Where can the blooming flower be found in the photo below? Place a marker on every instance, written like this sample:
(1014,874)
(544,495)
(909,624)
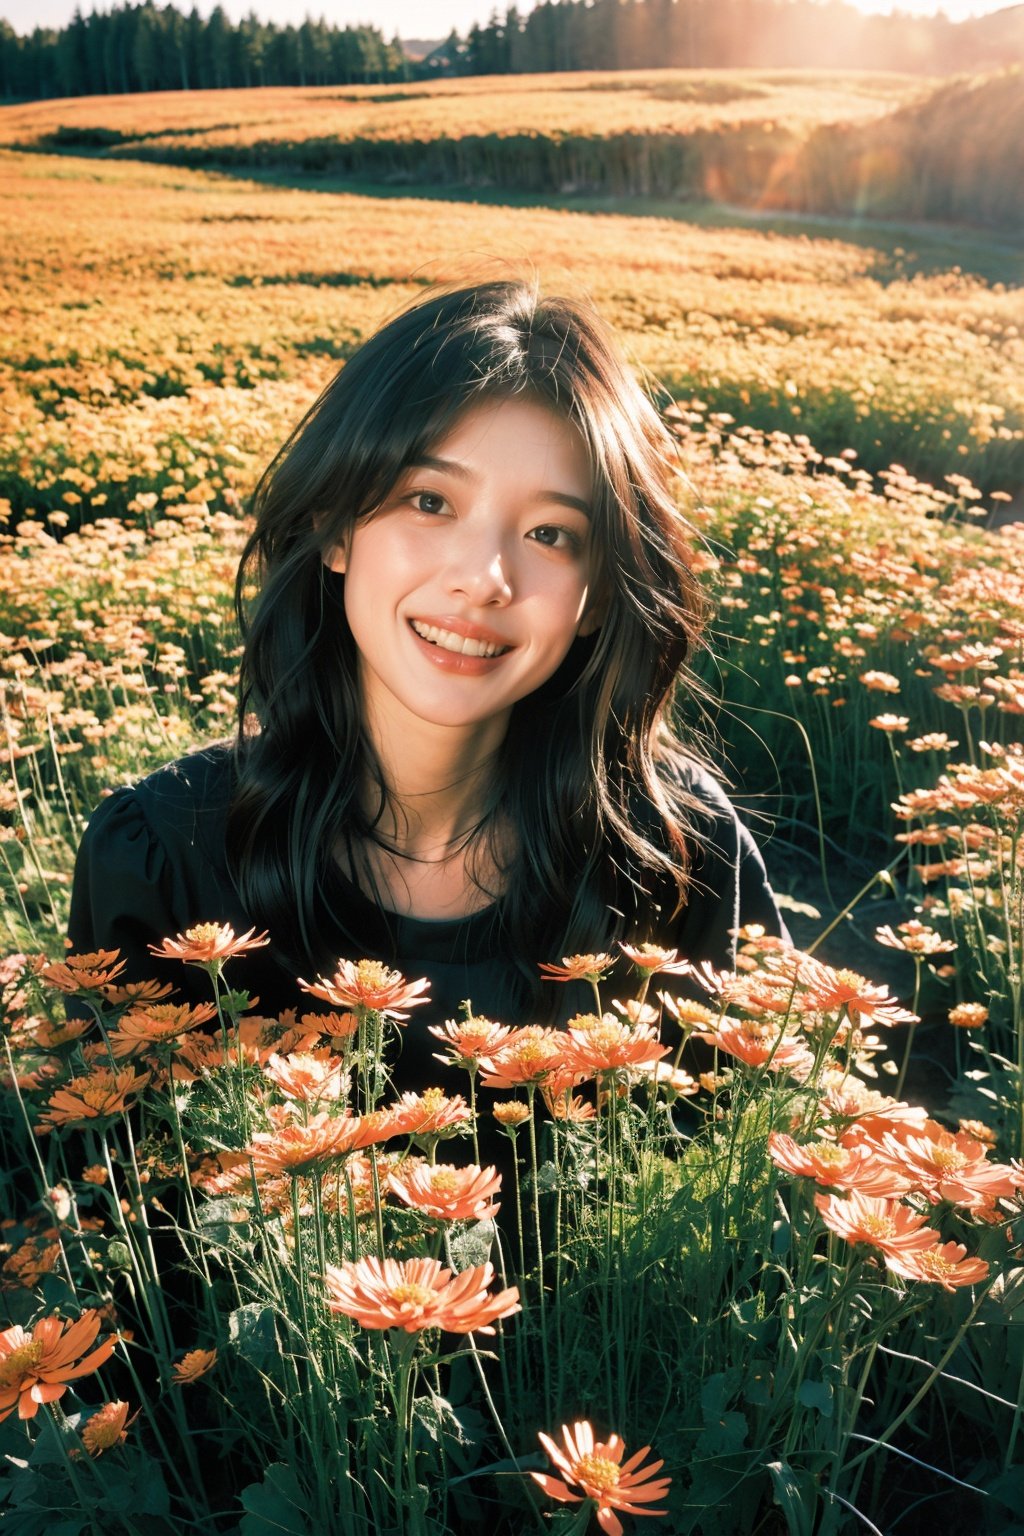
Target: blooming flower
(650,958)
(193,1365)
(431,1113)
(208,944)
(453,1194)
(883,1224)
(98,1095)
(105,1428)
(511,1113)
(86,972)
(590,968)
(842,1167)
(469,1039)
(528,1056)
(969,1015)
(308,1076)
(368,985)
(36,1367)
(295,1149)
(598,1470)
(418,1294)
(945,1264)
(161,1024)
(604,1044)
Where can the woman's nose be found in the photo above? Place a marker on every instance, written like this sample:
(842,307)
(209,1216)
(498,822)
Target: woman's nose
(480,572)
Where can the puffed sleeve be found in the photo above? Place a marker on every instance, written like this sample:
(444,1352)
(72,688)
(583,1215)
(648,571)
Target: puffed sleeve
(127,891)
(729,886)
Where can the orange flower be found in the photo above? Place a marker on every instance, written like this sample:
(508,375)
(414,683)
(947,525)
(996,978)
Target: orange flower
(759,1045)
(842,1167)
(469,1039)
(84,973)
(598,1470)
(568,1105)
(511,1113)
(914,937)
(453,1194)
(295,1149)
(883,1224)
(968,1015)
(890,723)
(945,1264)
(162,1024)
(208,944)
(95,1174)
(105,1428)
(337,1026)
(418,1294)
(606,1044)
(368,985)
(137,992)
(308,1076)
(948,1166)
(529,1055)
(100,1095)
(673,1079)
(829,990)
(650,958)
(590,968)
(193,1365)
(431,1113)
(36,1367)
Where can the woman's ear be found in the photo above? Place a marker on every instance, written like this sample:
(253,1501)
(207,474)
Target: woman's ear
(335,557)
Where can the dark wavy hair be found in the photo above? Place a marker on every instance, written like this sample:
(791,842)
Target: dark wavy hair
(587,776)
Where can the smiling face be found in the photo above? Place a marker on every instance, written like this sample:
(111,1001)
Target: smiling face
(465,589)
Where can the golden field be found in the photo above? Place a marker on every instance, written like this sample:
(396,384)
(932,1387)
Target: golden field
(586,103)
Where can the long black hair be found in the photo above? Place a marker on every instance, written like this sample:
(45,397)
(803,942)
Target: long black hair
(587,775)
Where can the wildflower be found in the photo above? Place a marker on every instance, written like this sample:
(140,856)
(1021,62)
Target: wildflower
(934,741)
(208,944)
(568,1105)
(193,1365)
(979,1131)
(453,1194)
(528,1056)
(418,1294)
(105,1428)
(890,723)
(84,973)
(308,1076)
(36,1367)
(880,682)
(95,1174)
(686,1013)
(883,1224)
(914,937)
(511,1113)
(968,1015)
(295,1149)
(136,992)
(469,1039)
(759,1045)
(605,1044)
(650,958)
(598,1470)
(370,986)
(945,1264)
(161,1024)
(99,1095)
(592,968)
(948,1166)
(336,1026)
(842,1167)
(829,990)
(431,1113)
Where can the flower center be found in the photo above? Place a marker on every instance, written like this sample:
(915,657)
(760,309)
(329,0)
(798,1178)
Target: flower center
(879,1226)
(22,1361)
(411,1295)
(948,1159)
(443,1181)
(203,933)
(597,1473)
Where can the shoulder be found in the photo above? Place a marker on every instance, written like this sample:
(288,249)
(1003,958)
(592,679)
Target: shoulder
(185,801)
(698,797)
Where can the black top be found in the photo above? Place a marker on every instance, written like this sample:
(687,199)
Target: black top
(152,863)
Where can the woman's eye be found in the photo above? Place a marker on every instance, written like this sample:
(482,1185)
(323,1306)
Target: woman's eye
(553,537)
(427,501)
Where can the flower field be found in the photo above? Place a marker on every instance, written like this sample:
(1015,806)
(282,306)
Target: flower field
(717,1251)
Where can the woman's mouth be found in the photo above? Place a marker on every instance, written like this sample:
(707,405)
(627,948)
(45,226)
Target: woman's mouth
(461,645)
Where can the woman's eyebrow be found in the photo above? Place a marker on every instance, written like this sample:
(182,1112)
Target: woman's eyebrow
(461,472)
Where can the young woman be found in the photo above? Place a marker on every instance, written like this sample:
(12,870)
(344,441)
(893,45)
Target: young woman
(455,752)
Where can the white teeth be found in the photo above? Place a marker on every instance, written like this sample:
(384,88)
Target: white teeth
(459,643)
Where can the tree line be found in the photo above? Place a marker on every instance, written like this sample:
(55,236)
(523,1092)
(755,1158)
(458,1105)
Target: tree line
(145,47)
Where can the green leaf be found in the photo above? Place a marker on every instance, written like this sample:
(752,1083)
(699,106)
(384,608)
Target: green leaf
(796,1495)
(275,1507)
(816,1394)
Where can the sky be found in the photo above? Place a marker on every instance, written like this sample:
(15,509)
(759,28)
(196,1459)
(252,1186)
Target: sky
(409,18)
